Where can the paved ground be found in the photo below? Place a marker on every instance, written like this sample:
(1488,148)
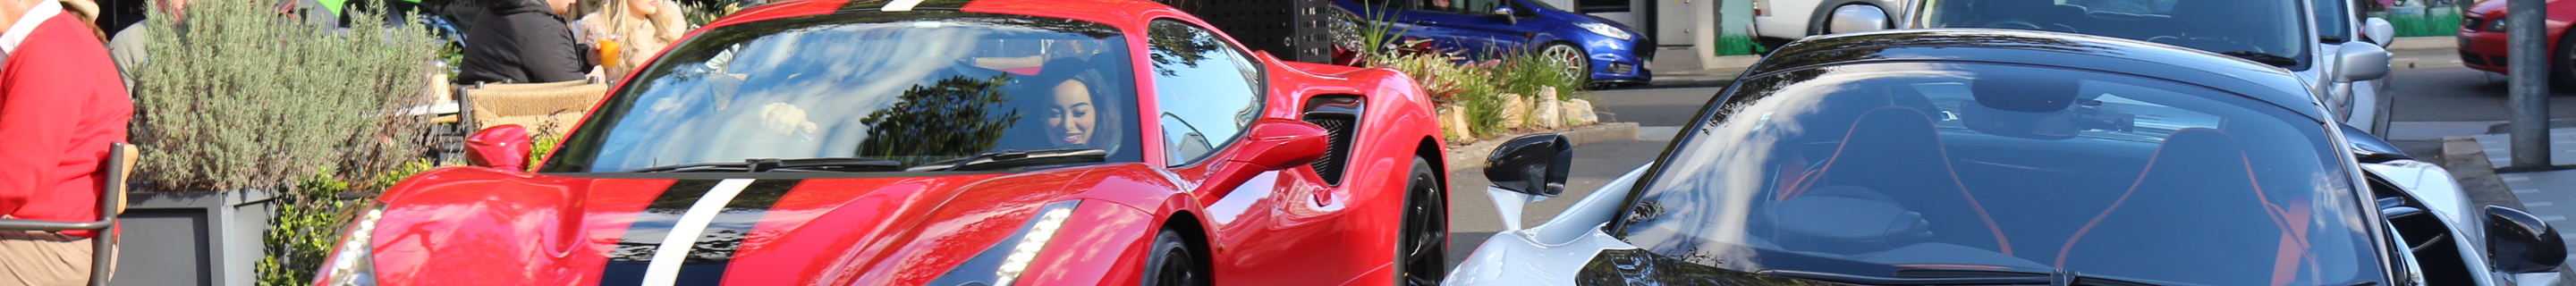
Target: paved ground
(2550,195)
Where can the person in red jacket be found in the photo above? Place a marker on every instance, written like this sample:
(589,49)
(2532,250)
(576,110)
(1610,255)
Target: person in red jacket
(61,103)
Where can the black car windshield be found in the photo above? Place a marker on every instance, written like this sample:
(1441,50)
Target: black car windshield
(2270,32)
(1884,168)
(914,87)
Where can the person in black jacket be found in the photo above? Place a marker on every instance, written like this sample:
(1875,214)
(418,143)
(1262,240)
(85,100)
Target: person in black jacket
(522,41)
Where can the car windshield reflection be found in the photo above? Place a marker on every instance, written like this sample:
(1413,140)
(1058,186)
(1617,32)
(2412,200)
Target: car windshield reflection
(912,88)
(1874,168)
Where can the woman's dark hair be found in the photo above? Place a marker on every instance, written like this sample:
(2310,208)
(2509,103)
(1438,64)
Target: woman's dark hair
(1109,125)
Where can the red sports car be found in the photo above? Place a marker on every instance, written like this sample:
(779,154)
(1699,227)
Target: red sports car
(942,142)
(2482,39)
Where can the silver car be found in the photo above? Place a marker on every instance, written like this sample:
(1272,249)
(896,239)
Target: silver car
(2347,68)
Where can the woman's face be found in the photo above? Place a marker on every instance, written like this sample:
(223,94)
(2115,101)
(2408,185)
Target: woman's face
(1071,118)
(643,7)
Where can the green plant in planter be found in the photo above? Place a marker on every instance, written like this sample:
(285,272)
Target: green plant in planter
(238,97)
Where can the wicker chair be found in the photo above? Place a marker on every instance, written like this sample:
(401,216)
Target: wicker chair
(551,108)
(111,202)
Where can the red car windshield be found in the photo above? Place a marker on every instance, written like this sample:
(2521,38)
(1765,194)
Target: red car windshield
(1897,169)
(914,87)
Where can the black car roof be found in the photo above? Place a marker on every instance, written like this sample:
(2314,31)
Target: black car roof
(2060,50)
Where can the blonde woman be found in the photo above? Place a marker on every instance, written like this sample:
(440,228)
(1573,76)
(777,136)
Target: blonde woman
(628,32)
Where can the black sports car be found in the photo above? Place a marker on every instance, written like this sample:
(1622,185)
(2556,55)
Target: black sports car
(1986,157)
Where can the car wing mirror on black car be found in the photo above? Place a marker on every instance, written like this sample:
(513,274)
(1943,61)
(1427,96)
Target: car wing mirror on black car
(1524,170)
(1533,164)
(2519,242)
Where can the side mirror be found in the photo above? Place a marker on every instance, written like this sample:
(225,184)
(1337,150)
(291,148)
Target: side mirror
(1534,164)
(2362,61)
(1507,14)
(1857,18)
(2519,242)
(2378,31)
(1271,144)
(501,147)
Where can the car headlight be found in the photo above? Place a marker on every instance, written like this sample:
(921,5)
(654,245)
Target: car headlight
(353,262)
(1003,263)
(2496,25)
(1604,30)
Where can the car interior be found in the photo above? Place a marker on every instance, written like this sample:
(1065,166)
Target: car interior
(2023,171)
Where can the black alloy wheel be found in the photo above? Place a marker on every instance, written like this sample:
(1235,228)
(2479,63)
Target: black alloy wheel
(1421,255)
(1173,263)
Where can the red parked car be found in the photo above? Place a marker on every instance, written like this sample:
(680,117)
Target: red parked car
(910,142)
(2482,40)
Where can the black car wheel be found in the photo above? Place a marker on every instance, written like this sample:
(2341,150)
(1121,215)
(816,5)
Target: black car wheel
(1577,65)
(1173,263)
(1422,250)
(2562,63)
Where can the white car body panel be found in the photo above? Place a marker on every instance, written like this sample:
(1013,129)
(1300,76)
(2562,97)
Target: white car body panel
(1787,19)
(1550,253)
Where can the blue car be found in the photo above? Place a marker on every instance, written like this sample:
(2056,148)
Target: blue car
(1611,52)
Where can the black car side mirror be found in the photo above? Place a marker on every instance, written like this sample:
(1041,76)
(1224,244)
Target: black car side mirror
(2519,242)
(1533,164)
(1508,15)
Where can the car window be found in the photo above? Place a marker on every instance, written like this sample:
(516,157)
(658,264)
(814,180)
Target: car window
(1870,169)
(2271,32)
(914,87)
(2334,20)
(1208,90)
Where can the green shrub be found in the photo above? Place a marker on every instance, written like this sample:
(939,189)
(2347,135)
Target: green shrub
(241,98)
(2433,22)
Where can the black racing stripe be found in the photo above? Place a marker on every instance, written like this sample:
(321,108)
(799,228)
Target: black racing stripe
(715,246)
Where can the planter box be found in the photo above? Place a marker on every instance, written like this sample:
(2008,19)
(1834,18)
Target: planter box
(193,238)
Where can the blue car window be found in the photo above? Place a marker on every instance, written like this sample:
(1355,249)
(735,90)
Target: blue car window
(1208,90)
(1883,168)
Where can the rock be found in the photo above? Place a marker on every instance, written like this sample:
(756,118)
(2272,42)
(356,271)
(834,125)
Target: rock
(1548,113)
(1515,111)
(1453,123)
(1578,112)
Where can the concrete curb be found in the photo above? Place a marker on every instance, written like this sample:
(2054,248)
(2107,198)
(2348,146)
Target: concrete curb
(2468,163)
(2425,43)
(1473,156)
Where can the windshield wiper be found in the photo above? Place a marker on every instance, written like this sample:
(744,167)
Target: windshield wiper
(1971,277)
(765,165)
(1016,158)
(2262,57)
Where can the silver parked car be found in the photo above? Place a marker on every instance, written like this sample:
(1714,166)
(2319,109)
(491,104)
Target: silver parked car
(2349,74)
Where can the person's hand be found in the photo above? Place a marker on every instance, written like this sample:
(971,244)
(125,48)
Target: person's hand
(786,119)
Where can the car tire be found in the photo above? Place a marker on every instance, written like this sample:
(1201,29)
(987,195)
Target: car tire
(1578,64)
(1422,243)
(1173,262)
(2562,63)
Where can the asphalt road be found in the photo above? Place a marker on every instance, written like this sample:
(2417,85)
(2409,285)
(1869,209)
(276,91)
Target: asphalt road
(2436,97)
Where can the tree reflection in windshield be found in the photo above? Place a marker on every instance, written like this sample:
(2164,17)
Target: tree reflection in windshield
(957,112)
(911,87)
